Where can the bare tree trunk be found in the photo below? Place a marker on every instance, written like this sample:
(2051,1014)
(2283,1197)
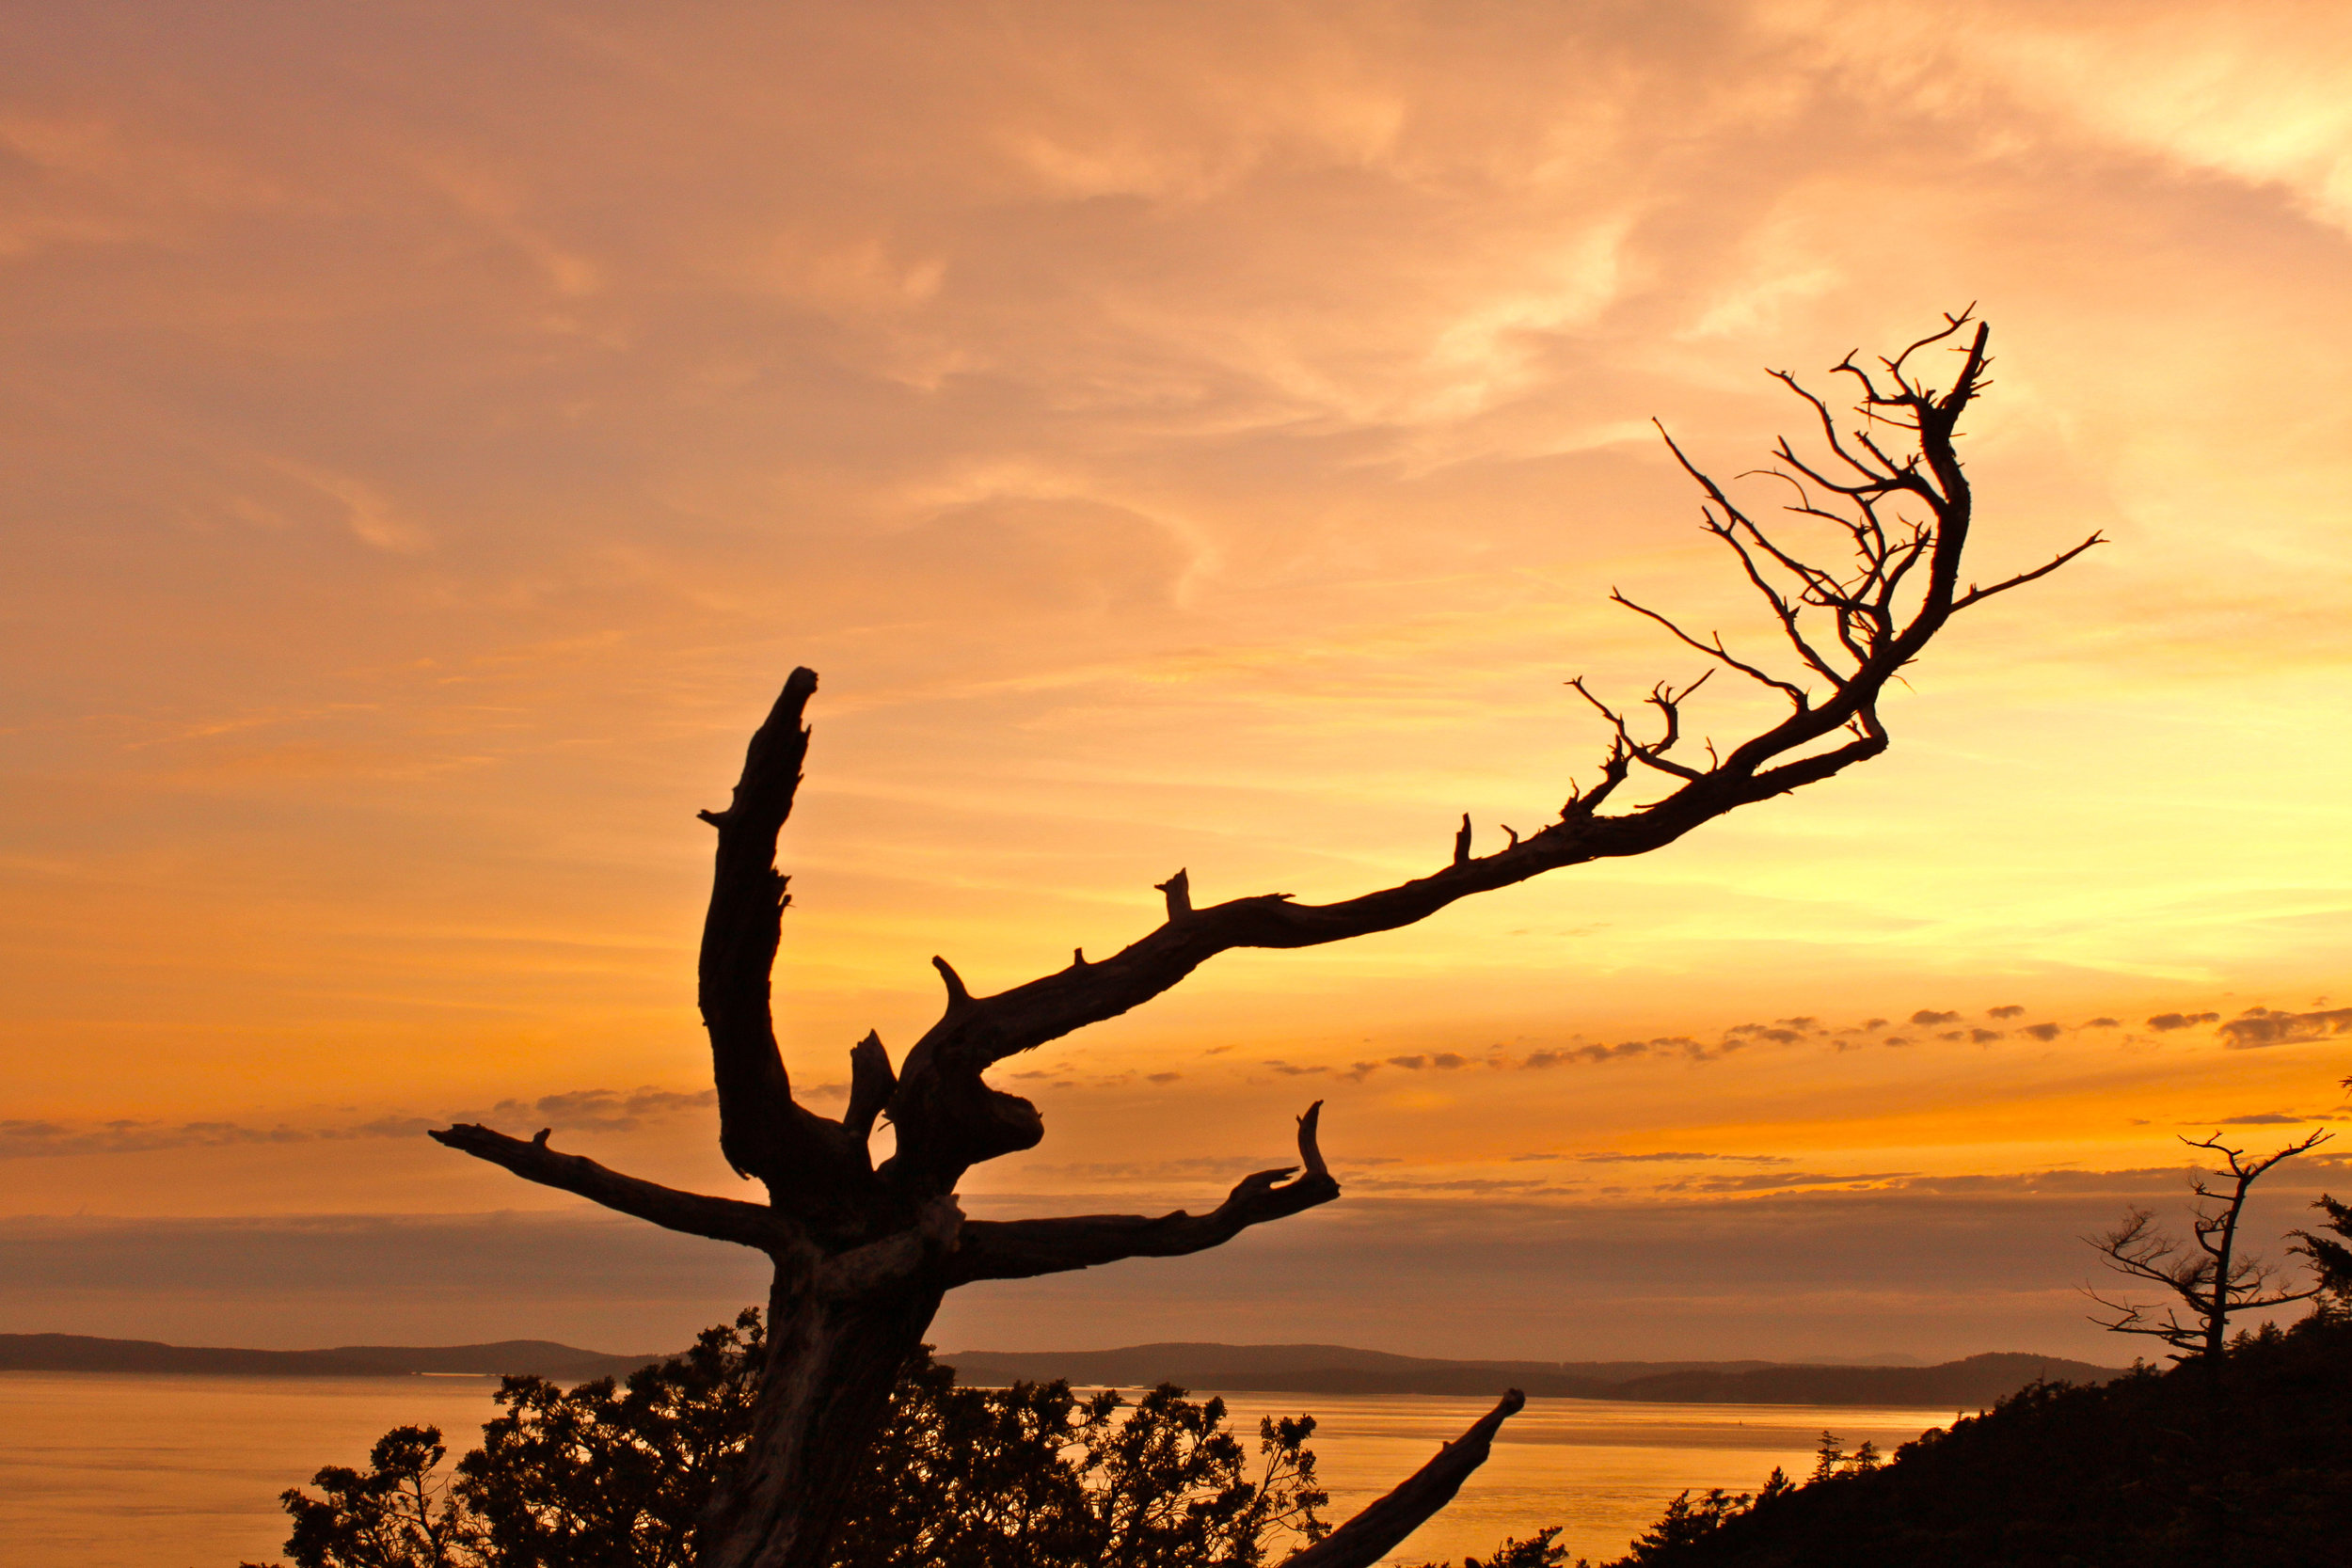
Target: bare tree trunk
(2216,1303)
(824,1396)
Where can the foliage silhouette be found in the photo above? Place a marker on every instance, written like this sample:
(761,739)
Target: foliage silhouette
(600,1477)
(1037,1475)
(2331,1259)
(1533,1551)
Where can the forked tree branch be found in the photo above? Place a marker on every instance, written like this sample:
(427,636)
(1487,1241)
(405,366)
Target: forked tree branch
(1376,1530)
(1021,1249)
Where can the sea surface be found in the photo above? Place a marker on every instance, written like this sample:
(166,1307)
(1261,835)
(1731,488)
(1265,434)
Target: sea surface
(118,1470)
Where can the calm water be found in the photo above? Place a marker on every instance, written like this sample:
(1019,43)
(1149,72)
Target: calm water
(116,1471)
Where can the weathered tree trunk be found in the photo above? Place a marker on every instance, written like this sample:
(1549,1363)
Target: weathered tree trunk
(823,1399)
(863,1255)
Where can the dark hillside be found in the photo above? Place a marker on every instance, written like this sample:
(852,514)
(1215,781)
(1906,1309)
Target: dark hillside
(2249,1469)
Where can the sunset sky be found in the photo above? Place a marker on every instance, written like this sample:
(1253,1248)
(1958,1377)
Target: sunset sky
(1186,434)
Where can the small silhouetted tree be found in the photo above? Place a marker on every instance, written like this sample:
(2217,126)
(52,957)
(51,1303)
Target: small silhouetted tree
(1685,1522)
(2209,1276)
(1532,1551)
(398,1512)
(864,1253)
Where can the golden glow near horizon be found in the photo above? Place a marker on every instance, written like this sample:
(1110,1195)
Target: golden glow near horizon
(1184,436)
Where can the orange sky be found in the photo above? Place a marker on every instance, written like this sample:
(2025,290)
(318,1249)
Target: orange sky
(1181,434)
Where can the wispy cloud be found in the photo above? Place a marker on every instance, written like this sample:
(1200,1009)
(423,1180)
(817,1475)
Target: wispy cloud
(1758,1182)
(2261,1026)
(1661,1157)
(2259,1118)
(2256,1026)
(576,1110)
(23,1139)
(607,1110)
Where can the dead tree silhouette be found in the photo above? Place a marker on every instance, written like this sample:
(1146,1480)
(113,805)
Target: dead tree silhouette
(2209,1273)
(865,1254)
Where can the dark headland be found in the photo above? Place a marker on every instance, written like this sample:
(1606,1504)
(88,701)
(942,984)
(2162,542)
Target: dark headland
(80,1353)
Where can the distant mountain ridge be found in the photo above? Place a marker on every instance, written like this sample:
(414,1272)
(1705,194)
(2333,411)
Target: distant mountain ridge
(78,1353)
(1973,1382)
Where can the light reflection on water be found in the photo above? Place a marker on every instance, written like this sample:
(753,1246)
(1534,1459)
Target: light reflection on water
(104,1471)
(1601,1469)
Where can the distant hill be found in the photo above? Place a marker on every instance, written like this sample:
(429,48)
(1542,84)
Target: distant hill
(1974,1383)
(77,1353)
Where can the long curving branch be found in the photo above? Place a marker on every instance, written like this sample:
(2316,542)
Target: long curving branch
(1021,1249)
(1903,587)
